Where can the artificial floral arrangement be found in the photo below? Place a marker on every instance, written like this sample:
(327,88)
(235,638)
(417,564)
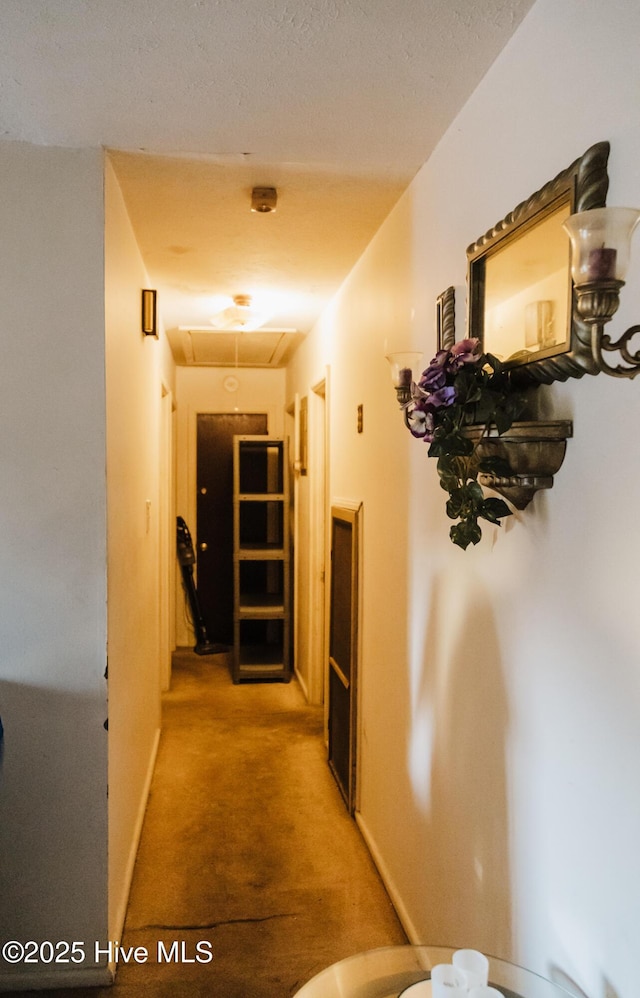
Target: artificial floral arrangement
(463,386)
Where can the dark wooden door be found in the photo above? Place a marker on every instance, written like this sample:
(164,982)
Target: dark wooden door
(343,641)
(214,528)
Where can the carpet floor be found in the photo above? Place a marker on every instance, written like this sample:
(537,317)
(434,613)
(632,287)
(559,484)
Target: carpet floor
(249,864)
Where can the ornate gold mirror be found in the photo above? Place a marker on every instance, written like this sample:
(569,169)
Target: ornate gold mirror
(520,291)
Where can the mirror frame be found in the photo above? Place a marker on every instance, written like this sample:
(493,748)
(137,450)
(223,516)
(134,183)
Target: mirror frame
(583,185)
(446,319)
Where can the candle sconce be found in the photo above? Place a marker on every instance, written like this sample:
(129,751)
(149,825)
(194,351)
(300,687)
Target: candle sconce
(600,250)
(404,366)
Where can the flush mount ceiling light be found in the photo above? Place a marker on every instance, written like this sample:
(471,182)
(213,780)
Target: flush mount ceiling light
(241,315)
(264,199)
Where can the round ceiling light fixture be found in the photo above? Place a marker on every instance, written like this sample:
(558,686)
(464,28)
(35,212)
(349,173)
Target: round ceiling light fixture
(242,301)
(241,316)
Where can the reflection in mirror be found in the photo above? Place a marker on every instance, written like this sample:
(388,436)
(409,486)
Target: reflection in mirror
(520,291)
(527,292)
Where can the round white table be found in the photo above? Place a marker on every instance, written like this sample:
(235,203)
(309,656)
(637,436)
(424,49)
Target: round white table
(385,972)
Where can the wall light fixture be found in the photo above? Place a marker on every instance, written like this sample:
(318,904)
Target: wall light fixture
(403,366)
(149,312)
(600,250)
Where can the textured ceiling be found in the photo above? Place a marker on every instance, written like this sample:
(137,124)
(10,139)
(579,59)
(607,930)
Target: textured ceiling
(201,241)
(335,102)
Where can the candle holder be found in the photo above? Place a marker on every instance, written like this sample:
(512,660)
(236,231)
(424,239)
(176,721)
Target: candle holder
(600,250)
(402,366)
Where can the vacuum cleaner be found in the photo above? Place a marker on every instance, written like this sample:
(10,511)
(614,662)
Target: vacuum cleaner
(187,559)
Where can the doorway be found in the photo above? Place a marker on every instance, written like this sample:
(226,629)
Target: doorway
(318,540)
(343,649)
(214,514)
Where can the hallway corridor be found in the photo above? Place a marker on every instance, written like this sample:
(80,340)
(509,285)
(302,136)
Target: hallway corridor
(246,846)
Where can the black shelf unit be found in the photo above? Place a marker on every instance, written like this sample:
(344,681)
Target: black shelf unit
(262,601)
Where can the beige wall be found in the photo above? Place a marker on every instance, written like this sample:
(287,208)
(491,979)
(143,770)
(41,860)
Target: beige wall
(53,781)
(201,390)
(500,701)
(66,863)
(140,376)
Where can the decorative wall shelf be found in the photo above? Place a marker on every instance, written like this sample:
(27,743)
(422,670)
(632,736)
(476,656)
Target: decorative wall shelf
(535,452)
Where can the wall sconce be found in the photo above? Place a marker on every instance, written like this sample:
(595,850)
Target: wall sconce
(402,367)
(600,249)
(149,303)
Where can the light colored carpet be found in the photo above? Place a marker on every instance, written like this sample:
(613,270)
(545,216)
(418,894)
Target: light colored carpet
(246,847)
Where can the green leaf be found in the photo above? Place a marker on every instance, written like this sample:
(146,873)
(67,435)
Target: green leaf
(466,501)
(510,407)
(495,465)
(456,443)
(474,492)
(448,477)
(473,393)
(503,420)
(493,362)
(493,510)
(456,504)
(465,533)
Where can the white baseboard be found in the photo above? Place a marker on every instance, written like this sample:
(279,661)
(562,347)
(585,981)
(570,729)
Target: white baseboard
(396,899)
(116,922)
(42,980)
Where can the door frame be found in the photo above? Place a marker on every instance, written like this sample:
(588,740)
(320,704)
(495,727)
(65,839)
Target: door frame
(187,489)
(273,424)
(349,511)
(311,533)
(166,540)
(319,540)
(213,528)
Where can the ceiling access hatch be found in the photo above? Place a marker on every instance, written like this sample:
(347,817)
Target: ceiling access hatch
(208,347)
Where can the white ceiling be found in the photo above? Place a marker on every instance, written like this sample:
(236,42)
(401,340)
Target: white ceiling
(337,103)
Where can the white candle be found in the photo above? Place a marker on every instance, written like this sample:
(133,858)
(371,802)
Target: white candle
(448,982)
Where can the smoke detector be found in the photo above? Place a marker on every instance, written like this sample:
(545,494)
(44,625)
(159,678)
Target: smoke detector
(264,199)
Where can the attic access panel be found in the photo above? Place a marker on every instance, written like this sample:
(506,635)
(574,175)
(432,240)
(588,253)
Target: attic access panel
(259,348)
